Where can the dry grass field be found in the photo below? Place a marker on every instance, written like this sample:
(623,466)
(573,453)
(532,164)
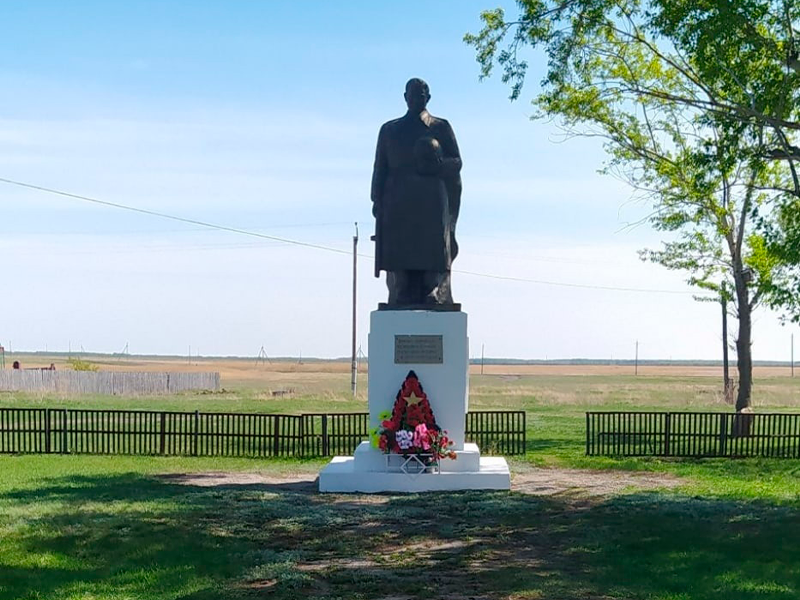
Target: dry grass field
(238,372)
(317,385)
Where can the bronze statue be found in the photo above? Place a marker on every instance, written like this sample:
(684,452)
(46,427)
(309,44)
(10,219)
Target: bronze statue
(416,196)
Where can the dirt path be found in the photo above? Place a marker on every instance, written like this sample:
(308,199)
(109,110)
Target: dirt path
(536,482)
(550,482)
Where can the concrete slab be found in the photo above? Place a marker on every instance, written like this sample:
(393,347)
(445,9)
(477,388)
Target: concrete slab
(340,475)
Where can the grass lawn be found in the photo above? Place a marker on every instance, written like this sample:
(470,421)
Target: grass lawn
(116,528)
(92,527)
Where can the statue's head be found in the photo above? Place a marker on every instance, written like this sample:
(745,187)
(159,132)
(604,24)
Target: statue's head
(417,95)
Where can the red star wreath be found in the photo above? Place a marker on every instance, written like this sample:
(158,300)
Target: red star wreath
(411,428)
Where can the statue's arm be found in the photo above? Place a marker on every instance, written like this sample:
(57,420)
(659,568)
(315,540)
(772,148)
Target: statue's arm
(451,170)
(451,163)
(379,170)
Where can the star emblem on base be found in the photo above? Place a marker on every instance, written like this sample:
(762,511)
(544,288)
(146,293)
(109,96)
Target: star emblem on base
(413,398)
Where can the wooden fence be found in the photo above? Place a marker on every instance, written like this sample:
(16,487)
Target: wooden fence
(71,431)
(116,383)
(683,434)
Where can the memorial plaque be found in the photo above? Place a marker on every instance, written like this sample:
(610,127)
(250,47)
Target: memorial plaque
(418,349)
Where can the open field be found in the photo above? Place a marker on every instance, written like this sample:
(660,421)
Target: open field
(114,528)
(238,372)
(325,385)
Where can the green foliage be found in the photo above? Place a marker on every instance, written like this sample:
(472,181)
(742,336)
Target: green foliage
(698,102)
(693,99)
(782,246)
(78,364)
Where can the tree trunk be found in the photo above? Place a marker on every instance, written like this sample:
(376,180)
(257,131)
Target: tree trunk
(744,357)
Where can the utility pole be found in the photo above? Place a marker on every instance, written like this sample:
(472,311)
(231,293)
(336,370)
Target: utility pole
(482,358)
(636,360)
(262,356)
(792,355)
(353,363)
(726,381)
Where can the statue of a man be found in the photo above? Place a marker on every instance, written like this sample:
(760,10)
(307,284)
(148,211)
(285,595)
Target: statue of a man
(416,195)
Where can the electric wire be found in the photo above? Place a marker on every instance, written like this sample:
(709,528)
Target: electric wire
(283,240)
(173,217)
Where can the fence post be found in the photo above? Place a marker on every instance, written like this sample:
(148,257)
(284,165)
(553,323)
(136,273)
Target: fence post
(723,434)
(64,421)
(587,434)
(162,437)
(276,431)
(524,448)
(667,427)
(196,432)
(325,444)
(302,435)
(47,432)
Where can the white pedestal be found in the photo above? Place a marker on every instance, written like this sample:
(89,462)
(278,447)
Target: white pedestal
(341,476)
(445,383)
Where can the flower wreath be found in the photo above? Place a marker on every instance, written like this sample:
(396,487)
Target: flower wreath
(411,427)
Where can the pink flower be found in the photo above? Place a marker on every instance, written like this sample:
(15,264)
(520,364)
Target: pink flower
(421,437)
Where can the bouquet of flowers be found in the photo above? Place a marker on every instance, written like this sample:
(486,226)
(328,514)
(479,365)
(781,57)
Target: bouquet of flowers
(410,428)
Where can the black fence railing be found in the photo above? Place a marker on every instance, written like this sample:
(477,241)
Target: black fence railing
(81,431)
(497,432)
(685,434)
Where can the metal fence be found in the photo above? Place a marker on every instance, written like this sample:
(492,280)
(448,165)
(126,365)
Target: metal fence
(683,434)
(116,383)
(80,431)
(497,432)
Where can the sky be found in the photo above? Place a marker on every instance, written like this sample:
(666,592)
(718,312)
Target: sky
(263,117)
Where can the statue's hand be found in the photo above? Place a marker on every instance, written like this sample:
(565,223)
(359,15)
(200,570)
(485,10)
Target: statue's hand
(450,166)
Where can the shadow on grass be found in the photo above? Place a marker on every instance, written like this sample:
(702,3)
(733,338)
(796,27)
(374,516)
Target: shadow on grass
(130,536)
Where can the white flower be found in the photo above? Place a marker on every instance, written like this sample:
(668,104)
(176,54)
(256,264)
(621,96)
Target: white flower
(404,439)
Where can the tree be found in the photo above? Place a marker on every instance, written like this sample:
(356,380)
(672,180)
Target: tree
(696,101)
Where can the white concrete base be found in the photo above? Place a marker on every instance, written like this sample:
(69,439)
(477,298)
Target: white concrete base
(446,384)
(366,472)
(368,458)
(341,476)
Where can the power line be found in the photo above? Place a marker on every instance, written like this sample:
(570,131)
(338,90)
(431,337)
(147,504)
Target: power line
(319,246)
(565,284)
(575,285)
(172,217)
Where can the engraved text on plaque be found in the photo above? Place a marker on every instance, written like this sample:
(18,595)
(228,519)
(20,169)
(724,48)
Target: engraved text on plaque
(418,349)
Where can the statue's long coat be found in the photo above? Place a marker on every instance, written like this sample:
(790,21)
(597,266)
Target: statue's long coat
(416,214)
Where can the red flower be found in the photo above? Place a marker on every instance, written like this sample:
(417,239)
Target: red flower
(407,416)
